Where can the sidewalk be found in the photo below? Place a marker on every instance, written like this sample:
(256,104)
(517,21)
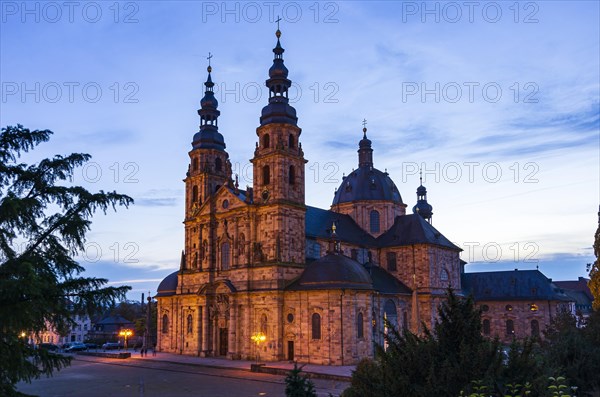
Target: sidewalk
(342,373)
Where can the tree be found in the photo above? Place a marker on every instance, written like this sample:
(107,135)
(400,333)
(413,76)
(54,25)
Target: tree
(594,269)
(40,284)
(297,385)
(439,363)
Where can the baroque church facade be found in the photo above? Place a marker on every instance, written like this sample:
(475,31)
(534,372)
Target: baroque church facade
(316,284)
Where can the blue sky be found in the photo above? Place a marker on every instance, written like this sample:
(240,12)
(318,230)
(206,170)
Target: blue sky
(499,102)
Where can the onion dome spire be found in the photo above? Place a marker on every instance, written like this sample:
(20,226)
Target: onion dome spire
(365,152)
(423,208)
(278,110)
(209,137)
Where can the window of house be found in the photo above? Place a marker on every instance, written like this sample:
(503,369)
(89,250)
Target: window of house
(194,194)
(292,175)
(225,255)
(360,333)
(218,164)
(510,327)
(195,164)
(391,261)
(316,326)
(486,327)
(165,324)
(266,141)
(444,275)
(291,141)
(354,254)
(374,221)
(189,324)
(266,174)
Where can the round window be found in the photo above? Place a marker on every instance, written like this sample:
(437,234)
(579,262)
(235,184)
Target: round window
(225,203)
(290,318)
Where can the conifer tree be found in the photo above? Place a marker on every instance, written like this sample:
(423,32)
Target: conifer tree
(40,286)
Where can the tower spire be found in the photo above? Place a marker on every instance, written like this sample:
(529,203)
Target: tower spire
(422,208)
(278,110)
(209,137)
(365,152)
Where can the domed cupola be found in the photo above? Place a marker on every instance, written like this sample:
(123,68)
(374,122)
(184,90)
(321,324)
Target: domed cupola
(278,110)
(366,182)
(209,137)
(423,208)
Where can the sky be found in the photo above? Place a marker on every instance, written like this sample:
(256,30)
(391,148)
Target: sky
(497,102)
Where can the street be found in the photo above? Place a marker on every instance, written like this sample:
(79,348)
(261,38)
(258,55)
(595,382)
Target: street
(93,376)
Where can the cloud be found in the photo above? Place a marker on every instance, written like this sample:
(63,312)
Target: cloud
(157,202)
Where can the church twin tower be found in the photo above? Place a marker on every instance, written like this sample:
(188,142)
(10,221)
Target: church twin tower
(278,184)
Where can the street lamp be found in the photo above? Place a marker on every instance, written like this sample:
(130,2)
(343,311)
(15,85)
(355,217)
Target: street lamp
(258,337)
(126,333)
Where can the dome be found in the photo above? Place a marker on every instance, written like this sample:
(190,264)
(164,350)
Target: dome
(423,208)
(168,285)
(278,69)
(208,138)
(334,271)
(421,191)
(367,183)
(209,101)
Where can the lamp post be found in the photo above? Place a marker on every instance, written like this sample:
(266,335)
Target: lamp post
(258,337)
(125,333)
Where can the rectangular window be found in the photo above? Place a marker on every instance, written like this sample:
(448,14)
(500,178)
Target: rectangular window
(391,261)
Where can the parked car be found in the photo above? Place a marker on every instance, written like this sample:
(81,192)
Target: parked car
(76,347)
(91,345)
(111,345)
(48,346)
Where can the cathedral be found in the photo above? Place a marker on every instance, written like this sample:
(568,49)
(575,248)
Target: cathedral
(265,275)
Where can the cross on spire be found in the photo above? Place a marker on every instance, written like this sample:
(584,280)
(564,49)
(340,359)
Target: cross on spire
(421,176)
(364,123)
(277,20)
(208,57)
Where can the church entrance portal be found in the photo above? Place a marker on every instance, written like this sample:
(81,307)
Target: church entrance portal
(290,350)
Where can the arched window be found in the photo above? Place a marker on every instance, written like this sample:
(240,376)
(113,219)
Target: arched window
(225,256)
(535,328)
(194,194)
(266,172)
(510,327)
(291,142)
(390,313)
(195,164)
(391,261)
(486,327)
(263,324)
(360,332)
(189,323)
(165,324)
(266,141)
(292,175)
(218,164)
(444,275)
(316,326)
(374,221)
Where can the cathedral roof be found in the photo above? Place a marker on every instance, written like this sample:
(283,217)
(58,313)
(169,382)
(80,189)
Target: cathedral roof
(367,183)
(511,285)
(319,221)
(384,282)
(413,229)
(333,271)
(168,286)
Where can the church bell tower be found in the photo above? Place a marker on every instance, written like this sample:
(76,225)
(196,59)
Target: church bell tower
(278,167)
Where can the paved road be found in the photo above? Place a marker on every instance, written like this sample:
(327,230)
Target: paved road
(92,376)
